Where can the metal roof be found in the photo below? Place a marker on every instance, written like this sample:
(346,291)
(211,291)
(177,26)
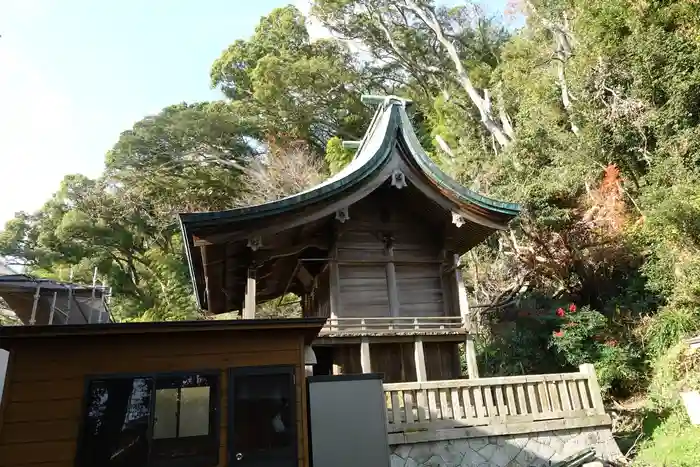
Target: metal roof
(389,121)
(390,127)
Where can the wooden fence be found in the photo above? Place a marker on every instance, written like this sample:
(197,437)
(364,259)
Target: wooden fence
(392,325)
(462,403)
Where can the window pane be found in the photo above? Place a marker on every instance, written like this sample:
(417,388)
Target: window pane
(263,416)
(116,425)
(165,423)
(181,433)
(194,412)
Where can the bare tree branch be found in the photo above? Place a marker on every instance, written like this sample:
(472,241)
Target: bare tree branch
(428,16)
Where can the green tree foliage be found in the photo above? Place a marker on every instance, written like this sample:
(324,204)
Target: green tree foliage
(302,90)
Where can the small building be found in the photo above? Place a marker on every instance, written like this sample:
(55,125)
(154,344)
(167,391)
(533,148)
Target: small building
(45,301)
(196,394)
(374,248)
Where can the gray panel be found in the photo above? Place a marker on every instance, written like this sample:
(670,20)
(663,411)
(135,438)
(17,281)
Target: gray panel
(347,418)
(4,358)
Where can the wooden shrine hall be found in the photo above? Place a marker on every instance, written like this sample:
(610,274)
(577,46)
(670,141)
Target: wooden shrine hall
(374,249)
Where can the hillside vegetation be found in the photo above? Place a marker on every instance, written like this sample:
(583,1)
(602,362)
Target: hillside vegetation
(588,115)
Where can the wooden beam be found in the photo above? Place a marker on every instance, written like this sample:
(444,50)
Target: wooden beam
(419,355)
(391,282)
(249,307)
(470,356)
(305,277)
(365,359)
(270,252)
(213,279)
(462,301)
(334,284)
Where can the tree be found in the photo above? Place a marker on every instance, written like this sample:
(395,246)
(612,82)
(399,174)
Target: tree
(427,49)
(302,90)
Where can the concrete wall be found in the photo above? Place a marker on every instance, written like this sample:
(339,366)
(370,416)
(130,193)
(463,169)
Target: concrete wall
(522,450)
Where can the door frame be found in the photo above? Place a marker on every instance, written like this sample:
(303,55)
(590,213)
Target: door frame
(231,374)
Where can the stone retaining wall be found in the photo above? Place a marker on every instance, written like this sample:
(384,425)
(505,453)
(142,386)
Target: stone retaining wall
(522,450)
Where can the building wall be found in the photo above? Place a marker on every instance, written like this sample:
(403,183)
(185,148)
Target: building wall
(442,360)
(44,392)
(321,295)
(396,361)
(364,290)
(346,359)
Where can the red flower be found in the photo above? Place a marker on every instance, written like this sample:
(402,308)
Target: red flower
(558,333)
(560,312)
(572,308)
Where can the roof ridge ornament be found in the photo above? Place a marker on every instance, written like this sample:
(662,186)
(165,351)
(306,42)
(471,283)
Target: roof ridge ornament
(385,100)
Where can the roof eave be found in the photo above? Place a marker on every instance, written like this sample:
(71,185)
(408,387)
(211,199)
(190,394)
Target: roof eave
(376,160)
(444,182)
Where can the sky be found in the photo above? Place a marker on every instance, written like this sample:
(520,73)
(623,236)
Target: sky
(74,74)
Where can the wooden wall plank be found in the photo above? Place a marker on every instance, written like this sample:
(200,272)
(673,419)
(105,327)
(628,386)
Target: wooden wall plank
(44,403)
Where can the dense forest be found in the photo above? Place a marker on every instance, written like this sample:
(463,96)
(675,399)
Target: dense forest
(588,115)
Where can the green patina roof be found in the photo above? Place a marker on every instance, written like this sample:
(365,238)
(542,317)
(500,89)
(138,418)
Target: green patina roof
(389,127)
(374,152)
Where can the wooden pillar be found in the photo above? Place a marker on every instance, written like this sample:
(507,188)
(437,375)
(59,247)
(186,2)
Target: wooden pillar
(470,355)
(462,301)
(391,281)
(365,360)
(419,354)
(53,308)
(593,387)
(249,305)
(467,320)
(37,295)
(334,272)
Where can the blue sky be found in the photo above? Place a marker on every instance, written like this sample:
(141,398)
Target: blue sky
(74,74)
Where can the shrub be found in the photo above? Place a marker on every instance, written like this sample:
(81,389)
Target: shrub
(584,336)
(675,371)
(668,327)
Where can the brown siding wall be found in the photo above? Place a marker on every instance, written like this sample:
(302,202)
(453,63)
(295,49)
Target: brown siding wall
(321,295)
(43,403)
(363,287)
(347,358)
(420,290)
(442,360)
(363,291)
(396,361)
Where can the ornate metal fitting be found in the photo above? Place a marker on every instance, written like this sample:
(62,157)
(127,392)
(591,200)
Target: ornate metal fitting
(458,220)
(255,243)
(398,179)
(342,215)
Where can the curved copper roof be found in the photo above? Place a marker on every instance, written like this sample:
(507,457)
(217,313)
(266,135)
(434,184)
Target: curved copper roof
(390,128)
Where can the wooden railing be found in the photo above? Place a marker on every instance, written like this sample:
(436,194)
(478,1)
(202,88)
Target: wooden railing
(435,405)
(391,325)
